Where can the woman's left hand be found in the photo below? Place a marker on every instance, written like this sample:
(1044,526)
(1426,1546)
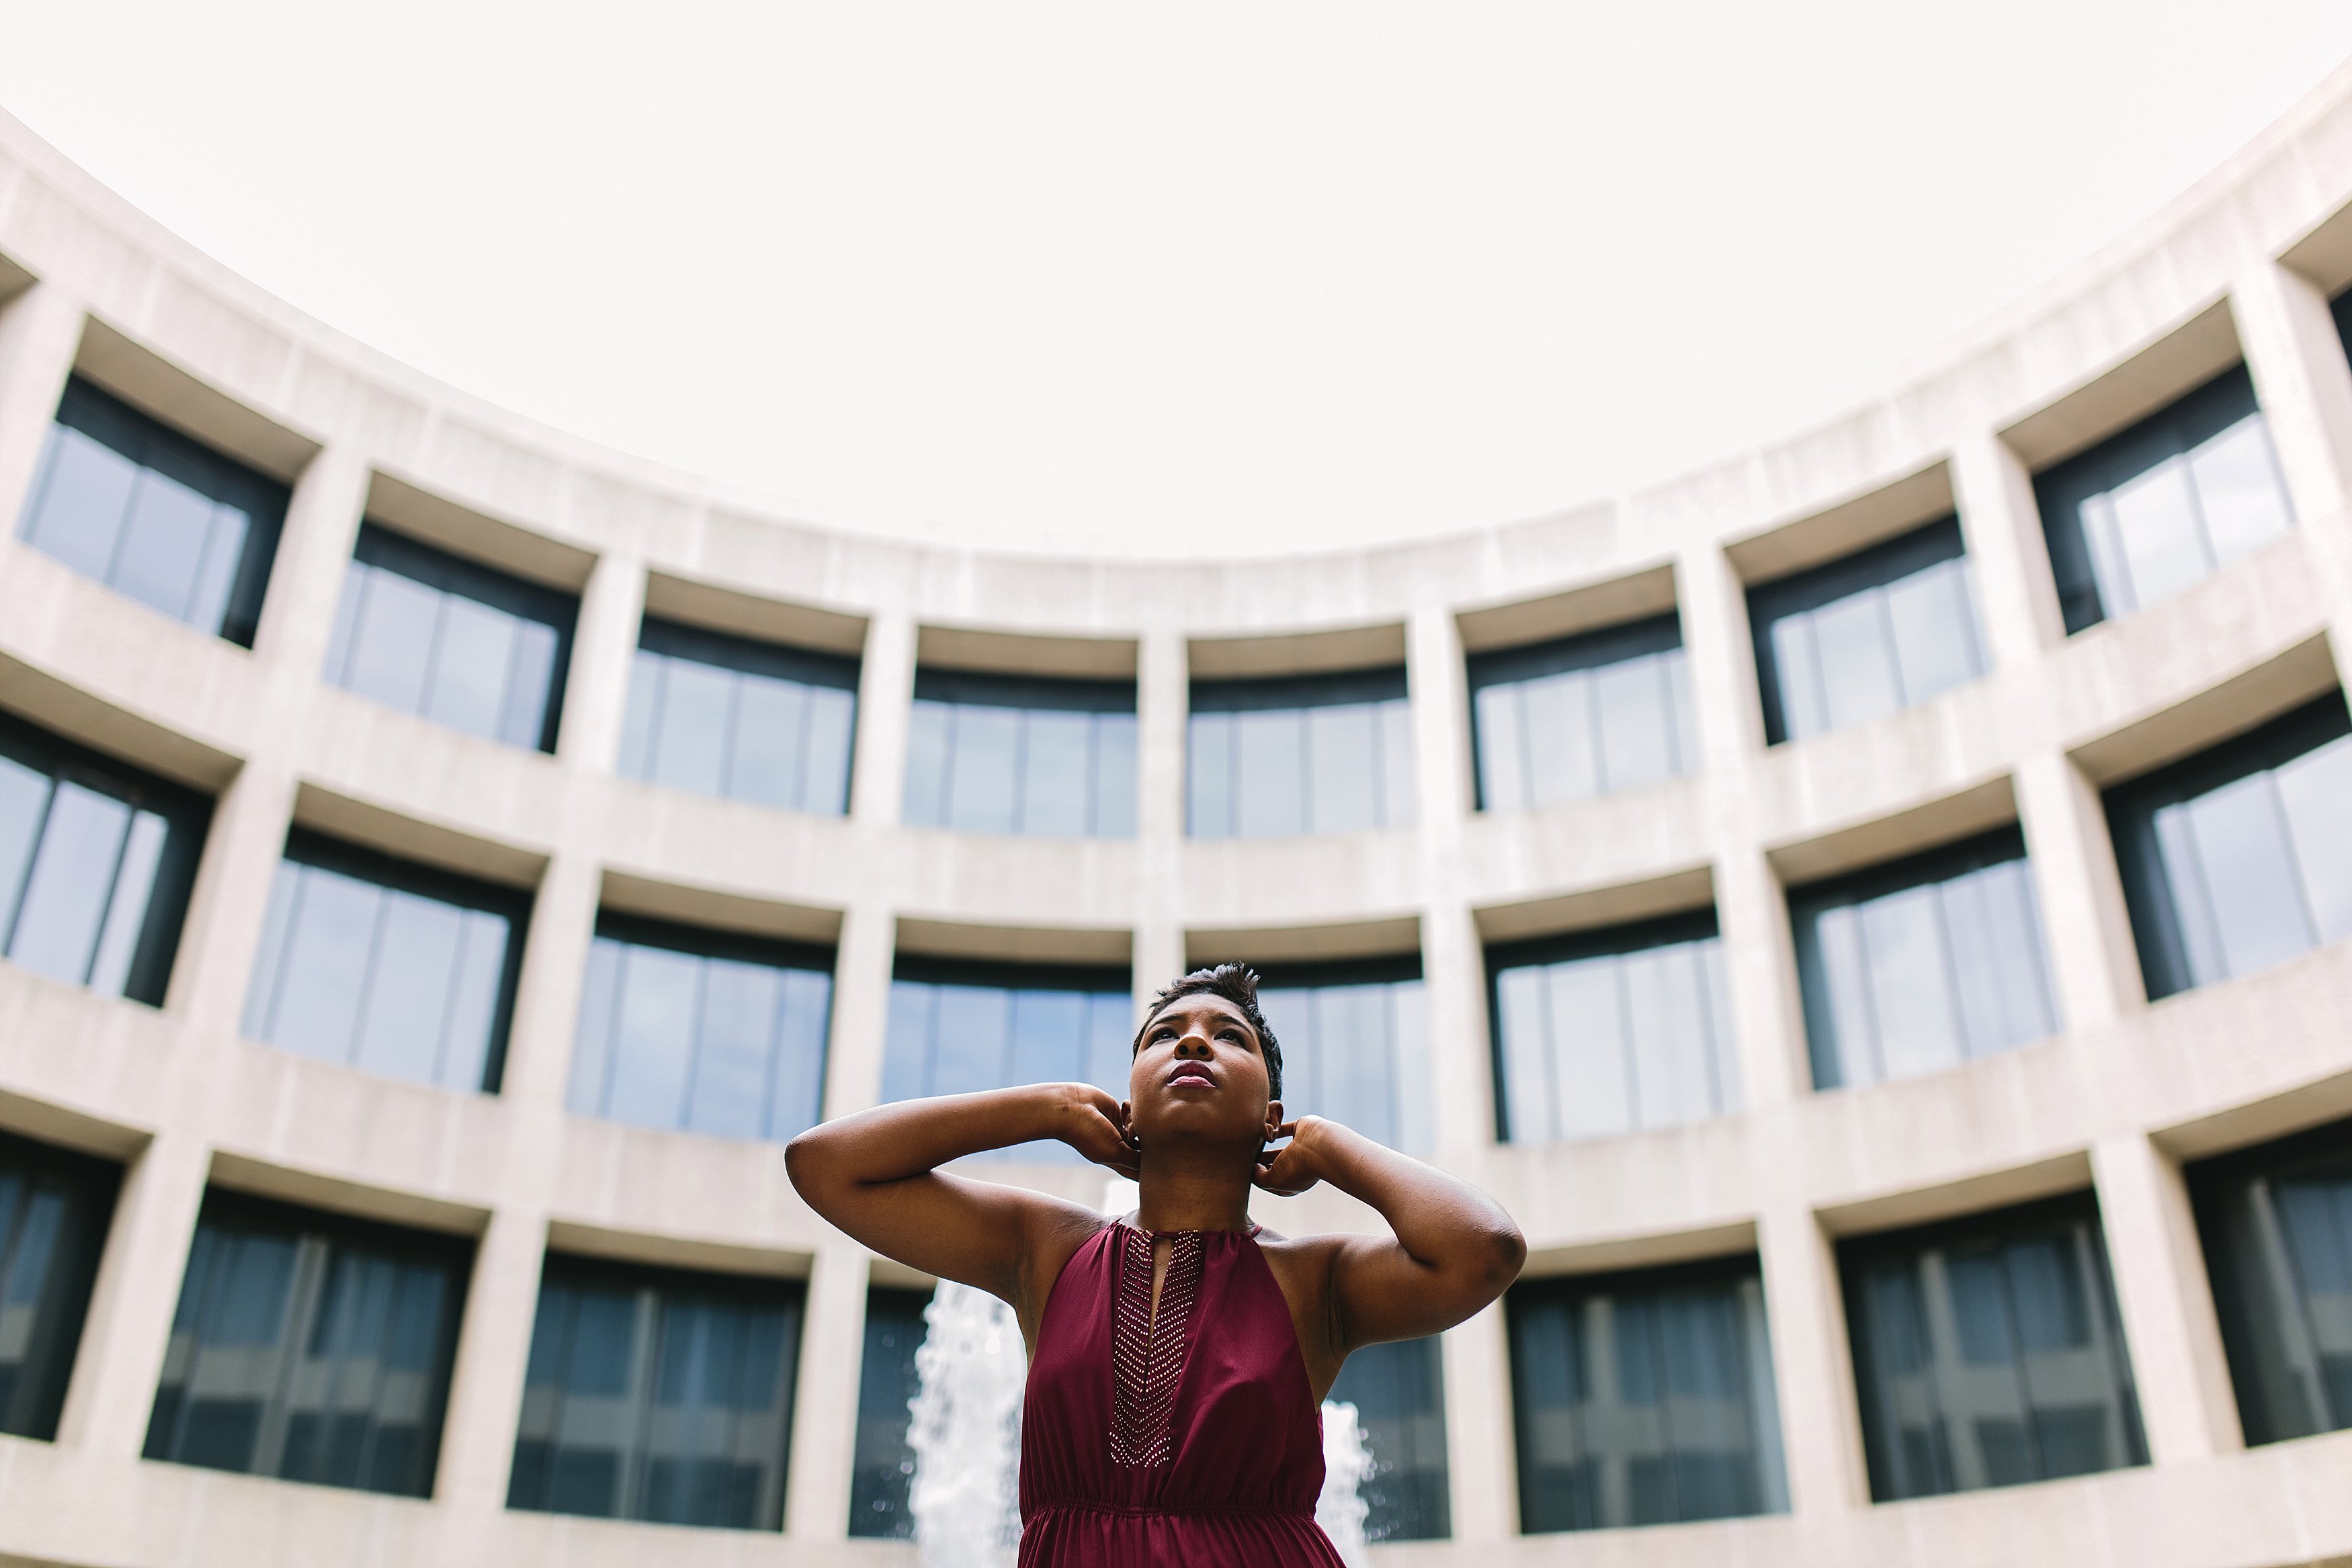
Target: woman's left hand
(1291,1169)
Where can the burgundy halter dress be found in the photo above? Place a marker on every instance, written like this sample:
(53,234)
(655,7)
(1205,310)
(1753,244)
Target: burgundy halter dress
(1196,1441)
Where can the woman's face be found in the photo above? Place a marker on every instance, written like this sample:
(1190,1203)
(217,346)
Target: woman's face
(1199,1075)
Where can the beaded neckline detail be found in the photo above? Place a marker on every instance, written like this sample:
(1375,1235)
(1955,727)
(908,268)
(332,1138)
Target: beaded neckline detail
(1148,1356)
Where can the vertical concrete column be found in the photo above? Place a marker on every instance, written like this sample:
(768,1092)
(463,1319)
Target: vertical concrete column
(2084,925)
(554,966)
(485,1382)
(1481,1449)
(113,1391)
(1461,1089)
(1721,653)
(2302,383)
(40,331)
(1820,1427)
(314,552)
(1761,972)
(1163,711)
(886,691)
(603,646)
(2017,598)
(231,896)
(861,1009)
(824,1406)
(2186,1402)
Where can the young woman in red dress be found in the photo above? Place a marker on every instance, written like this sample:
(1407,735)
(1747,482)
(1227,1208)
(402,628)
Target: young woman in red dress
(1177,1358)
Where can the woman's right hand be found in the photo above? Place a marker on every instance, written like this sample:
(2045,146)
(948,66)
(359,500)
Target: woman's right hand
(1091,1121)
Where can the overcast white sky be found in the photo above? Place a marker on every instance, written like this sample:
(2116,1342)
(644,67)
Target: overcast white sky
(1159,278)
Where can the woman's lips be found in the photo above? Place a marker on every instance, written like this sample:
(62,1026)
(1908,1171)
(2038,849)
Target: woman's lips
(1191,1073)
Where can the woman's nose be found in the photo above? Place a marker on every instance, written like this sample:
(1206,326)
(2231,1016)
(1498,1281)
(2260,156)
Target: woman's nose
(1193,1045)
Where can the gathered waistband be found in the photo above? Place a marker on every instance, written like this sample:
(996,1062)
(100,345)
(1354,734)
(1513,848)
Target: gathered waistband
(1161,1510)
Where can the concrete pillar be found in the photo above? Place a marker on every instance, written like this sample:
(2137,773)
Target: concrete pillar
(2302,380)
(112,1391)
(824,1404)
(2086,928)
(314,552)
(1453,961)
(1162,710)
(2186,1405)
(1482,1463)
(861,1009)
(2009,558)
(1812,1365)
(485,1382)
(603,646)
(1761,972)
(225,908)
(886,688)
(554,966)
(1721,651)
(40,331)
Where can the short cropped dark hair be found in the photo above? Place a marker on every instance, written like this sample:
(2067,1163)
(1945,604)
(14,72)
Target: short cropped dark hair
(1237,983)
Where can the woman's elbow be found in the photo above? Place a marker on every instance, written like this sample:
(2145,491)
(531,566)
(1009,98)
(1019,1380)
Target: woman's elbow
(1506,1255)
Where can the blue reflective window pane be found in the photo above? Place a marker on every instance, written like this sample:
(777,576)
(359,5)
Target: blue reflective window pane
(1934,636)
(1399,1393)
(1270,774)
(1563,758)
(1593,1070)
(83,500)
(826,754)
(741,1004)
(1527,1051)
(1630,704)
(1049,1044)
(24,802)
(2238,495)
(2248,869)
(1400,786)
(907,1048)
(799,1073)
(1857,659)
(1056,773)
(1853,1053)
(1109,1049)
(1804,701)
(324,973)
(1673,1075)
(1115,786)
(646,672)
(984,769)
(532,679)
(2156,531)
(408,1002)
(690,744)
(162,544)
(592,1047)
(71,879)
(468,688)
(1502,767)
(971,1049)
(653,1046)
(1342,768)
(1209,760)
(391,642)
(2315,791)
(1905,948)
(928,739)
(770,729)
(467,1040)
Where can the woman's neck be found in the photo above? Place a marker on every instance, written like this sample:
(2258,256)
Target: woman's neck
(1206,1189)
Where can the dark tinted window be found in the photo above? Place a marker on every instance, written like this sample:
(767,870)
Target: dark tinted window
(148,512)
(54,1211)
(658,1396)
(96,862)
(1988,1352)
(388,967)
(1879,631)
(1922,965)
(1644,1398)
(956,1027)
(1020,754)
(1610,1032)
(1305,753)
(1583,716)
(310,1347)
(748,721)
(2277,1227)
(1355,1045)
(2144,513)
(462,644)
(2239,858)
(1399,1393)
(706,1031)
(883,1465)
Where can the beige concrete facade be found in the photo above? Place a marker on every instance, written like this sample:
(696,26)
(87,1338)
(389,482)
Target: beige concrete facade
(2240,267)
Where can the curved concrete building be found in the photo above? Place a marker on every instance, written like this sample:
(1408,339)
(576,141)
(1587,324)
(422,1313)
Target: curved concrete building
(1875,909)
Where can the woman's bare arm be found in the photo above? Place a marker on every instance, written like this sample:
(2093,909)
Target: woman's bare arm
(1453,1251)
(875,1175)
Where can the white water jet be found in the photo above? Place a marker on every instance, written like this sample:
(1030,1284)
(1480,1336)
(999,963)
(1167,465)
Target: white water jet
(965,1430)
(1347,1464)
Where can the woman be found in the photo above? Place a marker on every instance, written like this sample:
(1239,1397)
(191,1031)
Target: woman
(1177,1358)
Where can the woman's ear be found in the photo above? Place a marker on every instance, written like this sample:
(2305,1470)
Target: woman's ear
(1273,1117)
